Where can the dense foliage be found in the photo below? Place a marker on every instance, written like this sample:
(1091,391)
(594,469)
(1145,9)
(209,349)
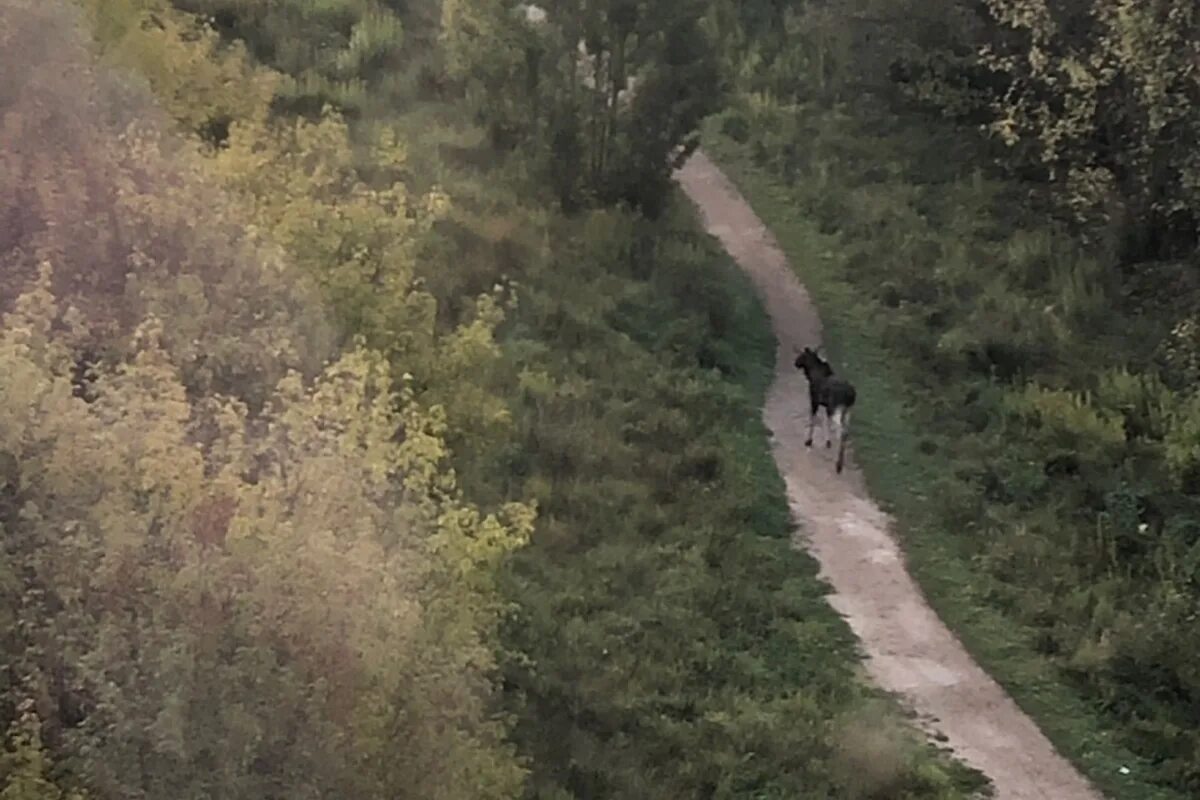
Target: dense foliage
(293,353)
(1032,293)
(335,52)
(606,95)
(236,559)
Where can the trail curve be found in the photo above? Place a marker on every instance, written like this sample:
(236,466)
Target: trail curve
(909,651)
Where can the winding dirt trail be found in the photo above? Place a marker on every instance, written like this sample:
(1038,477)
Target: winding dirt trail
(910,652)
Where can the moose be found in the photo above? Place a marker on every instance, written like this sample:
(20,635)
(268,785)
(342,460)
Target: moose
(826,389)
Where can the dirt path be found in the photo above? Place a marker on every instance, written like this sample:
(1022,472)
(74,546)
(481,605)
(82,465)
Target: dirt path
(910,652)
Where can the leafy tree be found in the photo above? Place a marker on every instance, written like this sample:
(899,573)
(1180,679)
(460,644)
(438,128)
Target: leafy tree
(203,85)
(236,563)
(24,766)
(134,224)
(609,93)
(215,603)
(1104,95)
(497,57)
(335,52)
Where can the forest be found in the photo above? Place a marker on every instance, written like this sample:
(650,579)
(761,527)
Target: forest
(376,419)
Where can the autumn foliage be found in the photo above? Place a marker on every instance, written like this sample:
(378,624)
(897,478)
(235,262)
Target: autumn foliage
(238,563)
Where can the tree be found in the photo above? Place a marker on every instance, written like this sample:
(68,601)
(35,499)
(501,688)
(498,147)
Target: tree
(579,67)
(24,767)
(490,50)
(1105,96)
(237,563)
(215,603)
(134,224)
(204,86)
(337,52)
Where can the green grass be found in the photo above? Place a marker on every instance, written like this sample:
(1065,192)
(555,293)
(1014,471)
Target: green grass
(906,481)
(667,639)
(727,648)
(755,338)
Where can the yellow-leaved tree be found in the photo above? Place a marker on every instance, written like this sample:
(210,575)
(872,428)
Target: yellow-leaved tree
(338,209)
(236,562)
(294,603)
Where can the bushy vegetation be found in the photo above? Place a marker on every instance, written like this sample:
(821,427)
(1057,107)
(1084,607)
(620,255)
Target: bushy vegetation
(603,97)
(338,460)
(225,572)
(1021,308)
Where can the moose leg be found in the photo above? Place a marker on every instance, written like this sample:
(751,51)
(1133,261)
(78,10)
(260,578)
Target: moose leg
(843,425)
(829,426)
(812,420)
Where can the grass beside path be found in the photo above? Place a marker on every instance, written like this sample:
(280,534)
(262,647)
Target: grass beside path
(890,446)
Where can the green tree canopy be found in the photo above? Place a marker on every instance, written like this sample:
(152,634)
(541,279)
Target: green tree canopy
(608,93)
